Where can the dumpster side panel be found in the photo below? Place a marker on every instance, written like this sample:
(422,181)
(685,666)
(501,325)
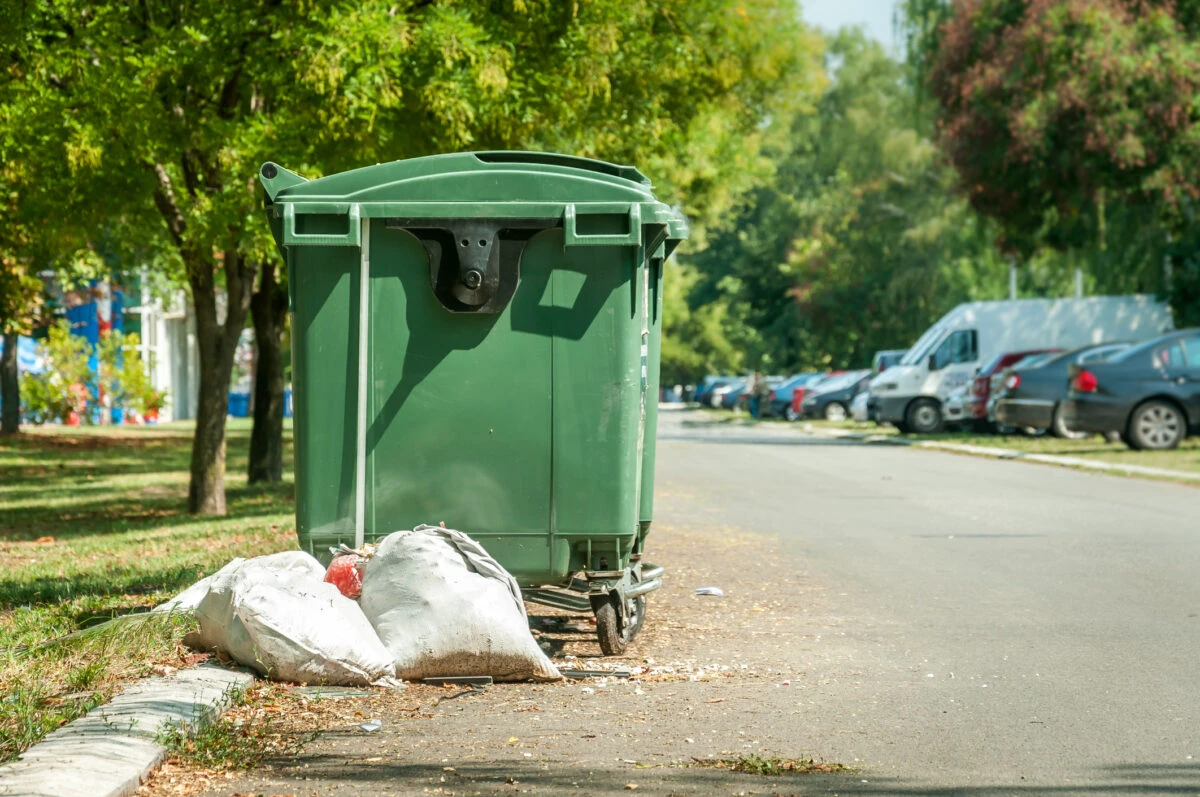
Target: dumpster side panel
(594,301)
(459,413)
(324,286)
(653,365)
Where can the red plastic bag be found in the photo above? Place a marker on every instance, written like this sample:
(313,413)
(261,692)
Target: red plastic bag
(345,573)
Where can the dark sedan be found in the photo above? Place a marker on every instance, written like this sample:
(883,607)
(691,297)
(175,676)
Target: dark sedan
(832,399)
(1150,393)
(1032,398)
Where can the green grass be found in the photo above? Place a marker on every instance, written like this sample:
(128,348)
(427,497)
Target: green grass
(93,526)
(253,730)
(1185,458)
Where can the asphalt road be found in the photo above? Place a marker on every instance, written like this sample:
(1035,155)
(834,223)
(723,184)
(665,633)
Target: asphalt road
(1007,625)
(941,624)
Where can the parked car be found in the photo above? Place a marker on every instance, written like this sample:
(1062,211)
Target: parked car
(799,393)
(858,407)
(727,395)
(997,385)
(1149,393)
(980,388)
(705,389)
(885,359)
(956,407)
(779,400)
(1032,397)
(832,399)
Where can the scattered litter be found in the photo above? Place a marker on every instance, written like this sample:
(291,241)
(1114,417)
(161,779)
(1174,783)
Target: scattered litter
(527,755)
(372,726)
(786,683)
(639,691)
(716,592)
(444,607)
(577,674)
(459,680)
(630,786)
(587,690)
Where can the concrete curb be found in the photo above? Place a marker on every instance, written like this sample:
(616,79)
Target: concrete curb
(1008,453)
(108,752)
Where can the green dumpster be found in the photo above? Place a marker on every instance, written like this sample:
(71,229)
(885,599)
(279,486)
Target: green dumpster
(475,341)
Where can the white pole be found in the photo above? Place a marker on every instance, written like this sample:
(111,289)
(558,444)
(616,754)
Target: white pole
(1078,282)
(364,297)
(1012,279)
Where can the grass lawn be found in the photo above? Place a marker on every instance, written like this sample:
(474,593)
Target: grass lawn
(93,525)
(1185,458)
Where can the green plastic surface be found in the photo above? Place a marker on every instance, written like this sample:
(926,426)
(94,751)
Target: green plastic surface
(531,429)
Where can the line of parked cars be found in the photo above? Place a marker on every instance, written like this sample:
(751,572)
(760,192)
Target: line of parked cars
(1107,365)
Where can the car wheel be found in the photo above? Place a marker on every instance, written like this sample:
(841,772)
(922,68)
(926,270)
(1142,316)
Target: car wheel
(1059,426)
(924,416)
(791,414)
(1156,426)
(901,427)
(835,411)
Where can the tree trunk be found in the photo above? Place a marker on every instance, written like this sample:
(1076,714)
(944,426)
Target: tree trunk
(217,344)
(10,387)
(268,311)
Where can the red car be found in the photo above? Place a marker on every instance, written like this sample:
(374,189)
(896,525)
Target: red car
(981,388)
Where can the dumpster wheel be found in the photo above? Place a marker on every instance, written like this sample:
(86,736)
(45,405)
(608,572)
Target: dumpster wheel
(613,638)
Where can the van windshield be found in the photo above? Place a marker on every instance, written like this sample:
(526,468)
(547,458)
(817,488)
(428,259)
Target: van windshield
(924,345)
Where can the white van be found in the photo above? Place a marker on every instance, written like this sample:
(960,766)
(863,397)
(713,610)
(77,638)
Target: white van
(910,395)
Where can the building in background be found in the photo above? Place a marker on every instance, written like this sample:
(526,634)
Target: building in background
(167,329)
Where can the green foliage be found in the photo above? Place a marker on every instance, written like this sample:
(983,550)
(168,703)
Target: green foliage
(858,243)
(62,388)
(148,122)
(1051,109)
(122,373)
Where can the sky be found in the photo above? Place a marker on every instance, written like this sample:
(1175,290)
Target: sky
(874,15)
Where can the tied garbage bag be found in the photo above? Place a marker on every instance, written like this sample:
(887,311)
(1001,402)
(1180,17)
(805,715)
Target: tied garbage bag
(443,607)
(276,615)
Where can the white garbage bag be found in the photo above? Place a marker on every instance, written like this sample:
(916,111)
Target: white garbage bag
(277,615)
(443,607)
(190,598)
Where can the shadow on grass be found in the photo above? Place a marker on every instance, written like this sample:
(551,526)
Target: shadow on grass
(114,509)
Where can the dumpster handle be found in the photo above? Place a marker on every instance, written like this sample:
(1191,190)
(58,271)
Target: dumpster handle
(571,237)
(364,329)
(352,236)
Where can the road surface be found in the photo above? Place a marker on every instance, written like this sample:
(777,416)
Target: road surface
(939,624)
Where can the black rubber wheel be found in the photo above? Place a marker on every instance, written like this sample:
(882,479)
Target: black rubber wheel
(614,639)
(924,416)
(1156,426)
(1058,427)
(901,427)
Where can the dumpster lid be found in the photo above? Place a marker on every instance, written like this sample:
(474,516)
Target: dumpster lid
(467,176)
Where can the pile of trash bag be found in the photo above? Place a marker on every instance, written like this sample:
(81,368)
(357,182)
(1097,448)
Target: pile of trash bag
(424,603)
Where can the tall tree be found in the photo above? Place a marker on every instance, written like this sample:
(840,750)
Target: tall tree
(171,106)
(1054,110)
(858,242)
